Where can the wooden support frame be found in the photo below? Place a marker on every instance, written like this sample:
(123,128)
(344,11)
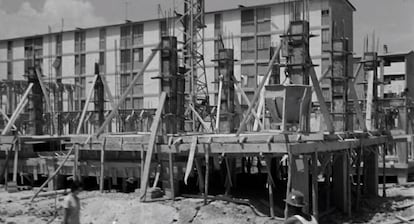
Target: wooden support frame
(353,95)
(258,90)
(324,109)
(245,98)
(85,108)
(219,104)
(151,144)
(18,110)
(128,90)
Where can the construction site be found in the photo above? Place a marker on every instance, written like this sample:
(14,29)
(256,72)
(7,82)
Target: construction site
(208,117)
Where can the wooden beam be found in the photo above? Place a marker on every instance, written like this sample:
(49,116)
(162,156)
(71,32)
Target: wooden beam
(128,91)
(18,110)
(85,107)
(44,89)
(219,104)
(8,119)
(151,144)
(324,109)
(258,90)
(16,160)
(109,94)
(369,100)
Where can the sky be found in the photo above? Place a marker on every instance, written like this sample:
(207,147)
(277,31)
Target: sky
(392,21)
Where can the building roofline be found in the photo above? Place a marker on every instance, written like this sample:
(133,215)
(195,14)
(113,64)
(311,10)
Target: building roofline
(276,2)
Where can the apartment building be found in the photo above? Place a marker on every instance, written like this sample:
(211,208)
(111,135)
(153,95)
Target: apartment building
(121,50)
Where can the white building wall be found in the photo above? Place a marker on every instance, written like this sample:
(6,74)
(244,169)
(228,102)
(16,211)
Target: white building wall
(68,58)
(151,86)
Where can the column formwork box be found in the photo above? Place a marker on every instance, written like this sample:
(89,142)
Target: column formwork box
(288,107)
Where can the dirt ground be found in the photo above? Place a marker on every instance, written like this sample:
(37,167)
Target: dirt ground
(117,208)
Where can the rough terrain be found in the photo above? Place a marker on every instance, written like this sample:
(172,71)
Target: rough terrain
(117,208)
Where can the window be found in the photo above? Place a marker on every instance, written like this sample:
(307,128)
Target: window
(217,24)
(138,57)
(101,62)
(247,48)
(325,17)
(325,36)
(138,102)
(102,38)
(163,28)
(77,64)
(263,47)
(125,36)
(9,70)
(248,78)
(138,34)
(125,60)
(139,85)
(263,20)
(9,50)
(247,21)
(58,38)
(79,41)
(82,64)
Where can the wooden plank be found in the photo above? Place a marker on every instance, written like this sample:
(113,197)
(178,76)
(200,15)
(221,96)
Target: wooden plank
(18,110)
(219,104)
(8,119)
(190,160)
(108,93)
(127,91)
(258,90)
(16,160)
(324,109)
(369,100)
(44,89)
(151,144)
(85,107)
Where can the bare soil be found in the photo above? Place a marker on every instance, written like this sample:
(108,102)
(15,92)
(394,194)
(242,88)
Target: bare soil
(117,208)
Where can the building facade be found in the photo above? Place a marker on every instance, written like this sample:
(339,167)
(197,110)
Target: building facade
(122,49)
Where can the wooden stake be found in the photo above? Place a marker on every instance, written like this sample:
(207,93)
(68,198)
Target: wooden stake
(16,159)
(151,145)
(384,178)
(315,204)
(200,175)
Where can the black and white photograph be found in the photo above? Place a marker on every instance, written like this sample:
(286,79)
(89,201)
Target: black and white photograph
(206,111)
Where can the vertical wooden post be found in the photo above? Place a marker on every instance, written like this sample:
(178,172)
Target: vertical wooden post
(206,181)
(75,162)
(200,175)
(16,159)
(371,179)
(315,203)
(171,171)
(6,168)
(348,182)
(358,173)
(340,180)
(270,185)
(229,182)
(384,178)
(102,178)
